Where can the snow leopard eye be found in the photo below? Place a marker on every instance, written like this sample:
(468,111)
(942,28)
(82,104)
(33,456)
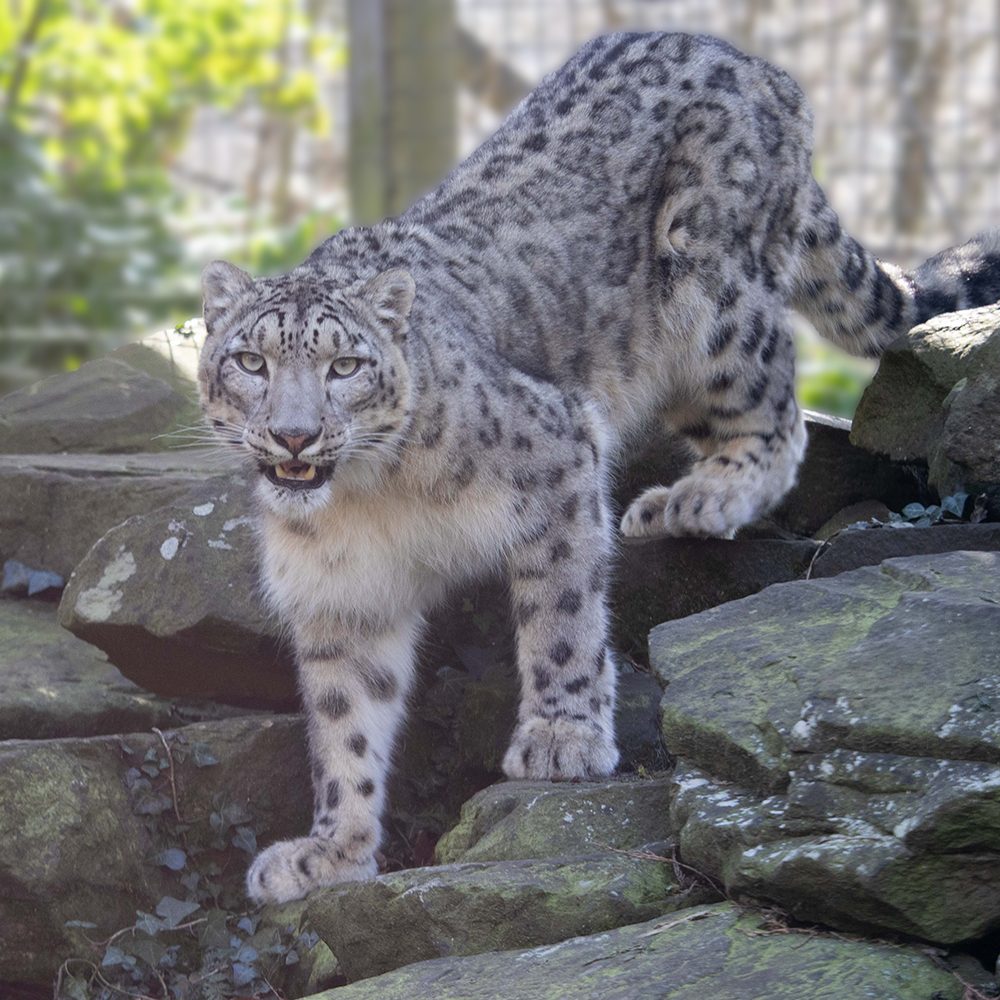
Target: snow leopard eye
(344,367)
(251,362)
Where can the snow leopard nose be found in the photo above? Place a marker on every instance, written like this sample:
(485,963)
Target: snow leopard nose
(295,440)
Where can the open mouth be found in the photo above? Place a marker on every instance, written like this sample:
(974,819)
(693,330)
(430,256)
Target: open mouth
(296,475)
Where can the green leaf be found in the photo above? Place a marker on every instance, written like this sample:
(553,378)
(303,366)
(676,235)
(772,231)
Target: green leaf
(214,933)
(149,924)
(243,974)
(955,504)
(114,956)
(173,858)
(246,953)
(149,949)
(151,804)
(245,839)
(912,511)
(75,988)
(173,911)
(203,756)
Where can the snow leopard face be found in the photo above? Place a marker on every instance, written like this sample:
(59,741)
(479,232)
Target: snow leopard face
(307,378)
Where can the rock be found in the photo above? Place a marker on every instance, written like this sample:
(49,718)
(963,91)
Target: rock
(122,403)
(105,406)
(171,598)
(660,580)
(835,473)
(871,546)
(861,842)
(53,508)
(712,951)
(842,745)
(868,512)
(52,684)
(537,819)
(82,822)
(936,397)
(823,663)
(647,591)
(410,916)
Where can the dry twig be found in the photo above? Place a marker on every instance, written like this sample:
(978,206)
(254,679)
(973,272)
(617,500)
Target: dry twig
(173,782)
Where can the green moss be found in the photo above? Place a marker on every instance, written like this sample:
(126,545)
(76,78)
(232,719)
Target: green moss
(471,908)
(834,656)
(708,951)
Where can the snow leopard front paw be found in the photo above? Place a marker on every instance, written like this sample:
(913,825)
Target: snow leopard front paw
(560,749)
(695,506)
(290,869)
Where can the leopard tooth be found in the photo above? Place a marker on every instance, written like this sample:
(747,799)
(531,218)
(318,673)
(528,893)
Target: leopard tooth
(284,473)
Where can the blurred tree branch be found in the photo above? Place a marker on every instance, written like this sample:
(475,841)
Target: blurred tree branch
(22,59)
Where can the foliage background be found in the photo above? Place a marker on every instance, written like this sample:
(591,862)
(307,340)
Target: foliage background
(98,234)
(141,138)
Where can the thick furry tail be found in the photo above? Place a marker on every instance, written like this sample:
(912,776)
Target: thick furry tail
(863,304)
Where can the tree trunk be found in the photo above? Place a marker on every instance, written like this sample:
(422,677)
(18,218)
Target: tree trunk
(403,102)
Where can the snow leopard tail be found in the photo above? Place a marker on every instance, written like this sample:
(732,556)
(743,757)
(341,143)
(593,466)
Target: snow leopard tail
(863,304)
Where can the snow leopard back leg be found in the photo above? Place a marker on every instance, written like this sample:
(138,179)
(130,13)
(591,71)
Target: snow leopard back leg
(745,424)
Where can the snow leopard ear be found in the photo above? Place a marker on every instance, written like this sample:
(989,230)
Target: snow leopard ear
(223,284)
(391,293)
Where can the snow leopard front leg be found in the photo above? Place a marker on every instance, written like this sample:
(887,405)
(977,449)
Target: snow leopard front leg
(558,579)
(354,684)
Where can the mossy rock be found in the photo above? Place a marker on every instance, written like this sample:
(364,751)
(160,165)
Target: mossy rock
(713,951)
(867,843)
(463,909)
(53,684)
(82,822)
(534,819)
(900,659)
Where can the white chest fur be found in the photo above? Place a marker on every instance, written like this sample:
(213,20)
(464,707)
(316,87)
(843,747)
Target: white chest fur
(381,554)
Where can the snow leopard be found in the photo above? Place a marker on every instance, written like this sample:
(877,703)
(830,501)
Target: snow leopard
(444,395)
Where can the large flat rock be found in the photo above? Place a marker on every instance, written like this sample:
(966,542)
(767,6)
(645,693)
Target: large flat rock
(898,658)
(464,909)
(53,508)
(713,951)
(840,745)
(53,684)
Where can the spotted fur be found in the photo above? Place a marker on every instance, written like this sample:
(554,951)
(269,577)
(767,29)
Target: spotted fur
(623,251)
